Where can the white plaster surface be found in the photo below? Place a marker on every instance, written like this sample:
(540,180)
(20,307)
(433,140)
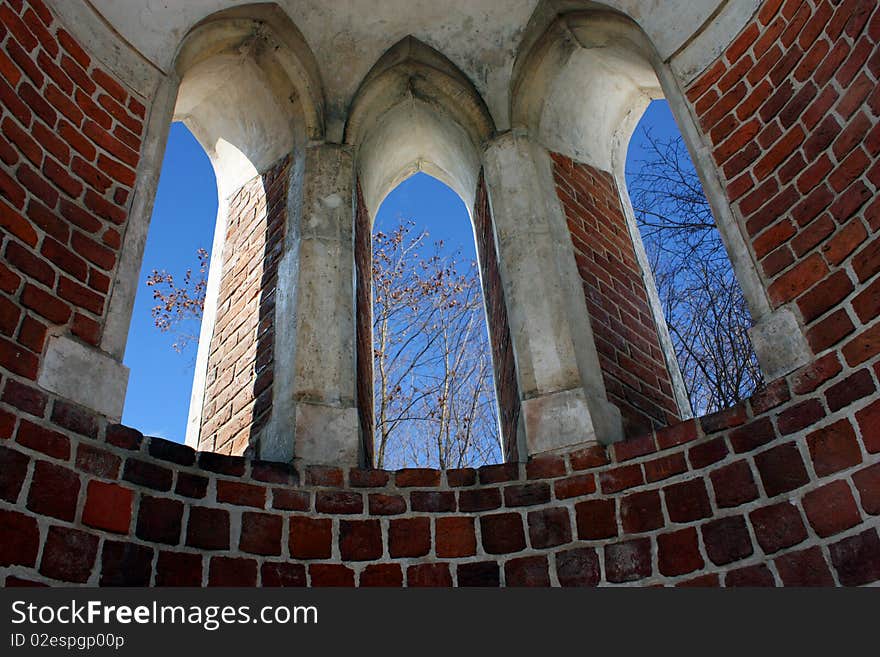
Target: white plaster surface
(481,36)
(84,375)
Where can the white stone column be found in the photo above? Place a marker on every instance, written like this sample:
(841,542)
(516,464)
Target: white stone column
(560,381)
(314,413)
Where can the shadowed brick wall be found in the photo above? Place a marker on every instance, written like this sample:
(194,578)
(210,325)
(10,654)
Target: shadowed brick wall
(238,386)
(363,260)
(791,114)
(636,376)
(70,137)
(506,388)
(745,497)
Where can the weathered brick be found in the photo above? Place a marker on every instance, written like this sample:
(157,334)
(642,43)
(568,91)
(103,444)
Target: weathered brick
(831,509)
(108,507)
(310,538)
(502,533)
(778,526)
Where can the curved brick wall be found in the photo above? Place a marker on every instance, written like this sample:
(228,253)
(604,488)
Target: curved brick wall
(784,489)
(744,497)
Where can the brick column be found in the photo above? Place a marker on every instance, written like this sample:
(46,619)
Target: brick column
(558,373)
(315,418)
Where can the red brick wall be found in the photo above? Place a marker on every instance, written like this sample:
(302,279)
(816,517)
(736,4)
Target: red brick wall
(762,494)
(363,257)
(636,376)
(238,387)
(791,114)
(506,388)
(70,137)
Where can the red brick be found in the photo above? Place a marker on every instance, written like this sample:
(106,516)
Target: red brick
(429,574)
(457,477)
(575,486)
(677,434)
(863,347)
(641,512)
(409,537)
(178,569)
(310,538)
(108,507)
(494,474)
(618,479)
(381,574)
(341,502)
(800,416)
(21,539)
(663,467)
(527,571)
(361,540)
(232,571)
(483,573)
(386,505)
(804,568)
(317,475)
(830,331)
(479,499)
(190,485)
(549,527)
(781,469)
(857,558)
(455,537)
(126,564)
(577,567)
(148,474)
(17,360)
(54,491)
(526,494)
(335,575)
(831,509)
(867,482)
(417,477)
(687,501)
(750,576)
(233,492)
(545,467)
(432,501)
(590,457)
(733,484)
(159,520)
(261,533)
(208,529)
(68,555)
(596,519)
(25,398)
(727,540)
(778,526)
(628,561)
(679,552)
(13,469)
(368,478)
(502,533)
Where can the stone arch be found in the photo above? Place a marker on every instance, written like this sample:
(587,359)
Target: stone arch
(246,84)
(580,87)
(416,111)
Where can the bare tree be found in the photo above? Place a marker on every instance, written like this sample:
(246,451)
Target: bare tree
(704,306)
(177,305)
(433,384)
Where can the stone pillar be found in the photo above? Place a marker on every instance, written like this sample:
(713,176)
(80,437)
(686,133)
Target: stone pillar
(560,381)
(314,416)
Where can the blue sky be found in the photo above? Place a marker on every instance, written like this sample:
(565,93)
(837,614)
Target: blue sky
(159,386)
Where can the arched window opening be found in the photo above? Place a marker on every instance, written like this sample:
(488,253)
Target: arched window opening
(434,391)
(644,361)
(166,321)
(703,303)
